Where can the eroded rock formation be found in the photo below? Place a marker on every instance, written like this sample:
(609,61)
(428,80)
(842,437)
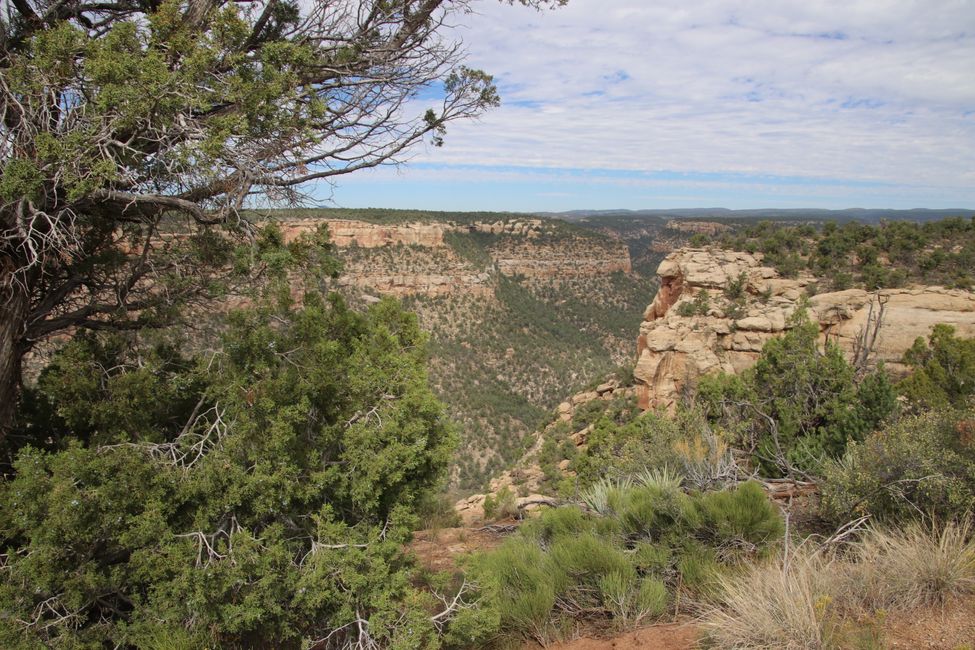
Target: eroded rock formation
(674,350)
(365,234)
(424,262)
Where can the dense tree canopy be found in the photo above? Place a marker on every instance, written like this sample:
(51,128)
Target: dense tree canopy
(944,370)
(130,129)
(249,496)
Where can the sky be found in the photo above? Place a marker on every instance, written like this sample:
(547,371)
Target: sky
(711,103)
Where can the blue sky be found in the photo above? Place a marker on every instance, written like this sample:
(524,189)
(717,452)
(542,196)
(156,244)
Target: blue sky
(669,103)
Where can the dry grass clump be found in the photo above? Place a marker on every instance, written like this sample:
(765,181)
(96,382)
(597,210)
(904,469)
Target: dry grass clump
(811,601)
(776,606)
(913,567)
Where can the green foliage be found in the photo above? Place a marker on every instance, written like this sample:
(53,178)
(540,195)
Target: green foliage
(921,465)
(624,444)
(583,560)
(698,306)
(798,405)
(258,496)
(736,287)
(889,255)
(630,599)
(588,413)
(622,560)
(518,582)
(699,568)
(501,505)
(681,448)
(741,515)
(943,370)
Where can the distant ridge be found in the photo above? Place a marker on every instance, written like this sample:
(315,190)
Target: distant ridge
(866,215)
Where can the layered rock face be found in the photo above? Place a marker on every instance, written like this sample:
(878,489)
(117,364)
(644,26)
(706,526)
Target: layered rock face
(703,227)
(673,351)
(424,262)
(364,234)
(347,232)
(556,260)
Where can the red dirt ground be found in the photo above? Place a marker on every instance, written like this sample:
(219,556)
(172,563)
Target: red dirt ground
(949,628)
(670,636)
(438,550)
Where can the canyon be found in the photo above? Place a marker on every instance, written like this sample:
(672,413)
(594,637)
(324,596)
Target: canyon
(748,303)
(520,310)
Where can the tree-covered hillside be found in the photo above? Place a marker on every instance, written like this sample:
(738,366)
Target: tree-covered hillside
(888,255)
(549,319)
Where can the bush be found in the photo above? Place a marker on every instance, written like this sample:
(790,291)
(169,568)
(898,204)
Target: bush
(555,523)
(698,568)
(698,306)
(519,581)
(797,406)
(740,518)
(623,558)
(240,522)
(736,288)
(920,465)
(630,599)
(502,505)
(944,370)
(583,562)
(653,559)
(653,512)
(915,566)
(619,449)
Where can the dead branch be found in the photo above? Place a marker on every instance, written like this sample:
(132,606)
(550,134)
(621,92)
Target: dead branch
(865,341)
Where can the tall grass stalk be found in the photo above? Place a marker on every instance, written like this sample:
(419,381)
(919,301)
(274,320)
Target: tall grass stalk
(919,565)
(776,606)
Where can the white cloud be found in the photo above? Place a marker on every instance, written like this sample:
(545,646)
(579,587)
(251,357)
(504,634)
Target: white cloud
(876,90)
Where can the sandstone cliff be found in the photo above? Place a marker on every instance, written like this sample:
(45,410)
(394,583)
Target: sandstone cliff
(425,263)
(365,234)
(673,351)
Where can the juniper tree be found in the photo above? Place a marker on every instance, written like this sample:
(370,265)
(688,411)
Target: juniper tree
(254,496)
(132,130)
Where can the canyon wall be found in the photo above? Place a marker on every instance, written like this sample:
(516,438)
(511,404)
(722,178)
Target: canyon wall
(674,350)
(561,258)
(366,234)
(417,258)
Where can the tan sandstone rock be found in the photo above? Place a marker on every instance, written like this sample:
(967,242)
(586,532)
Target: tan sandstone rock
(673,351)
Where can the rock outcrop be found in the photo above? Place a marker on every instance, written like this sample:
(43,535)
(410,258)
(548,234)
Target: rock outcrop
(698,227)
(348,232)
(423,262)
(674,350)
(560,260)
(365,234)
(525,480)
